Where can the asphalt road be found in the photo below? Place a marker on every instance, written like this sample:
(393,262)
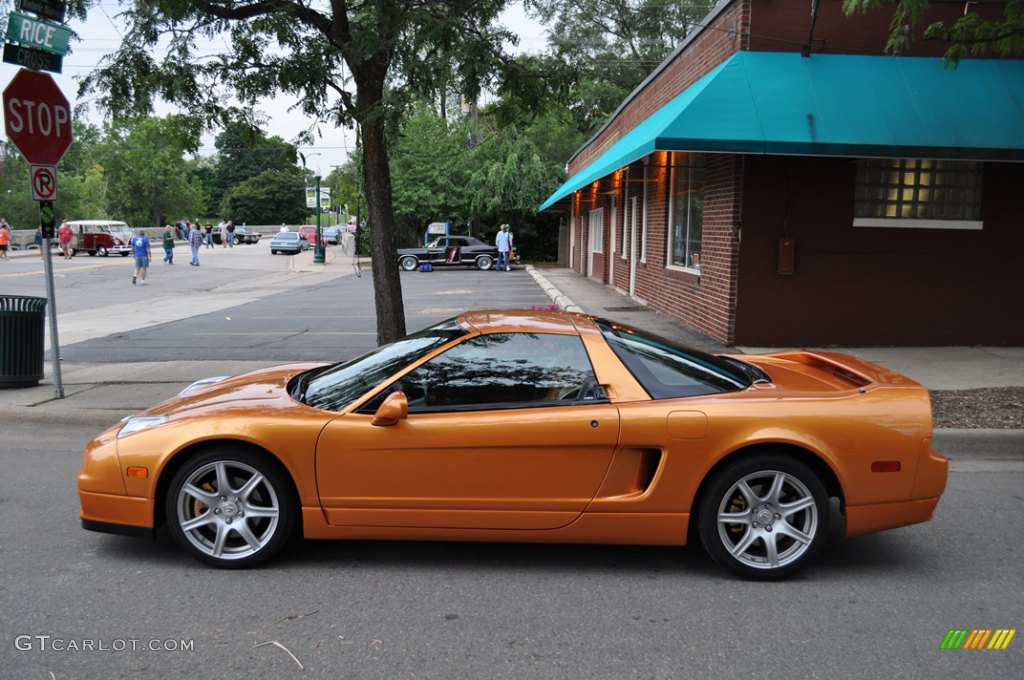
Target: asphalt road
(244,304)
(874,607)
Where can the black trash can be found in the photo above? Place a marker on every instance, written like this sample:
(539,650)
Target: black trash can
(22,332)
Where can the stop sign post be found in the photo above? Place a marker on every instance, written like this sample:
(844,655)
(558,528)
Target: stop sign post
(37,117)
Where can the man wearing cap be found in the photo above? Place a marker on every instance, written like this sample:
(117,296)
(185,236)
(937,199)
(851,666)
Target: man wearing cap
(504,242)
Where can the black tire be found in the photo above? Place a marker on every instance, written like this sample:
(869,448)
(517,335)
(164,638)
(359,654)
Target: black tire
(408,263)
(273,252)
(484,262)
(793,520)
(219,516)
(102,251)
(92,253)
(124,254)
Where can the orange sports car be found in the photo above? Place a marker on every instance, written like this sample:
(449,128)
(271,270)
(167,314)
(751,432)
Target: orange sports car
(531,427)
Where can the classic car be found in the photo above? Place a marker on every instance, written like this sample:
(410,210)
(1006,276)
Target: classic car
(526,426)
(452,250)
(242,235)
(288,242)
(101,237)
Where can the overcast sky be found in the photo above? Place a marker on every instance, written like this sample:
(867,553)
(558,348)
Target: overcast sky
(101,33)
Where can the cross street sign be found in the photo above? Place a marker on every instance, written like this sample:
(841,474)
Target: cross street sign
(47,9)
(30,57)
(24,30)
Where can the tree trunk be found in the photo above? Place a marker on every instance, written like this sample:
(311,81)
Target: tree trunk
(387,286)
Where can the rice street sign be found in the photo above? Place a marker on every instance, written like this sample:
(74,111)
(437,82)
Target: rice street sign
(30,32)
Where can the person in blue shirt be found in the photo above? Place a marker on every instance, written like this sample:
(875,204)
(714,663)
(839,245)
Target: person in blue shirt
(143,253)
(504,242)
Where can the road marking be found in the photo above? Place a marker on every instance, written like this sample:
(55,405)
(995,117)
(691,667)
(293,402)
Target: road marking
(56,271)
(986,466)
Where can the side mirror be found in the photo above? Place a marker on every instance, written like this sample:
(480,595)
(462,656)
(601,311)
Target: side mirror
(394,408)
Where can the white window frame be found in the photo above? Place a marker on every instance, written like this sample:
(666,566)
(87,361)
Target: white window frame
(595,231)
(671,236)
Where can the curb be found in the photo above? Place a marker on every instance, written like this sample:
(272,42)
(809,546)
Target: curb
(557,297)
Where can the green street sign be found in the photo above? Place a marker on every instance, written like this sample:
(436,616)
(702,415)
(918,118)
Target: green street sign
(30,57)
(43,35)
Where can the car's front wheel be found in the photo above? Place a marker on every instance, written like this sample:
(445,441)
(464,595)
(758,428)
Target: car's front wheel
(231,507)
(764,516)
(408,263)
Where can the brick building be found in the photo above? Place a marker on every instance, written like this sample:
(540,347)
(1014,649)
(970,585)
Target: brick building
(774,185)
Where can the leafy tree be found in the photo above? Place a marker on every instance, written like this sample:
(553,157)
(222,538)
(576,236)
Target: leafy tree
(385,50)
(243,151)
(268,198)
(611,46)
(970,34)
(148,181)
(16,204)
(430,173)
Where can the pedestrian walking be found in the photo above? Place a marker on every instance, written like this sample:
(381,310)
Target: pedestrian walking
(142,251)
(209,236)
(64,235)
(195,240)
(5,238)
(231,234)
(222,229)
(40,241)
(504,242)
(168,243)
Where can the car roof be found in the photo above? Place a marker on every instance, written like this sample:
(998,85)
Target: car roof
(94,223)
(519,320)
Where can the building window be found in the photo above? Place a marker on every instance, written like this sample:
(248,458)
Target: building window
(687,207)
(923,193)
(596,230)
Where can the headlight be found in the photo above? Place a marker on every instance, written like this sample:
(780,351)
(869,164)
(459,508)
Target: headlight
(134,424)
(202,383)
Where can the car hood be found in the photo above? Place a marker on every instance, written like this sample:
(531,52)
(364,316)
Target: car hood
(263,389)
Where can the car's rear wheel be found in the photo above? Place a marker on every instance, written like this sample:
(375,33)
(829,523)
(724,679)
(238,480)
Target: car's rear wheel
(231,507)
(764,516)
(408,263)
(101,251)
(273,252)
(484,262)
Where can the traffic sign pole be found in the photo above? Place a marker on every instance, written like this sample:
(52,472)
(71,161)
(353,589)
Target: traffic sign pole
(46,217)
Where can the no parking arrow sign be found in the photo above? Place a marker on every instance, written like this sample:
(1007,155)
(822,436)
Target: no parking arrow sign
(44,182)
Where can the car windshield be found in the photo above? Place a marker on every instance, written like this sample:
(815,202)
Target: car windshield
(668,370)
(338,386)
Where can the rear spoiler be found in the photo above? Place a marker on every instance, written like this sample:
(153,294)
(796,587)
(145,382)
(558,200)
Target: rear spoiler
(857,372)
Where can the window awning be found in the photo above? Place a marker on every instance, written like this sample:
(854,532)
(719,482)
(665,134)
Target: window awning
(833,105)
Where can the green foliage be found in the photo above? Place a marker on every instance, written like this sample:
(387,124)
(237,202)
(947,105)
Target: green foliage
(969,35)
(270,197)
(148,182)
(603,49)
(16,204)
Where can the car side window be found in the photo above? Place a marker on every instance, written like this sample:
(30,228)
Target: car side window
(503,370)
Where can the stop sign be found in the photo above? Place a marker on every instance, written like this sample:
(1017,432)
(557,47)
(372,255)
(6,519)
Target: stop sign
(37,117)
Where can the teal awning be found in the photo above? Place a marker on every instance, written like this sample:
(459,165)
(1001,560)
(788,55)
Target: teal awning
(833,105)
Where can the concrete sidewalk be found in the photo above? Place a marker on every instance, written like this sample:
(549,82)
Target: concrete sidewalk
(101,394)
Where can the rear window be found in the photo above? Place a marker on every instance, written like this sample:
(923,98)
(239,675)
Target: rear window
(668,370)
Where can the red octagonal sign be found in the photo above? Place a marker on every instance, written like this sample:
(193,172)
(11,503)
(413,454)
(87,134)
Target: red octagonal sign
(37,117)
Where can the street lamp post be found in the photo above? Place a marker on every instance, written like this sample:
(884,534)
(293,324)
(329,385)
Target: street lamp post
(318,251)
